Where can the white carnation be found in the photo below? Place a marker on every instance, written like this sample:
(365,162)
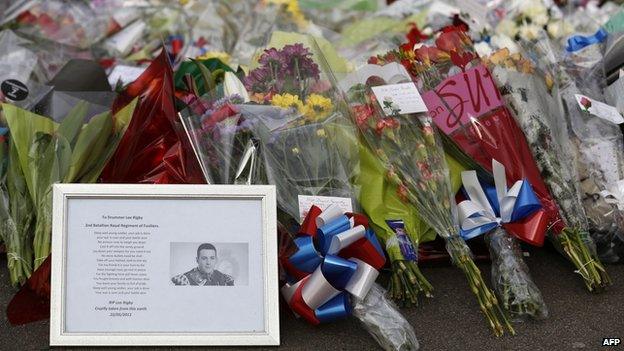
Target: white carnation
(530,31)
(507,28)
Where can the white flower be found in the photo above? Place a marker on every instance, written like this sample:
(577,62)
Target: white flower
(503,41)
(540,19)
(559,29)
(232,85)
(530,31)
(532,9)
(483,49)
(507,28)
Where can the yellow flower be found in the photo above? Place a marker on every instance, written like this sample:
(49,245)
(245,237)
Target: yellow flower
(287,101)
(292,7)
(222,56)
(317,107)
(321,133)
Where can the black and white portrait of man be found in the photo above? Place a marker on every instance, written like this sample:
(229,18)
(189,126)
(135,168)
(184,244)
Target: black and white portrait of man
(206,273)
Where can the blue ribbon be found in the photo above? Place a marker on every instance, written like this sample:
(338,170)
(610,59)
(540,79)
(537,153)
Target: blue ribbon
(306,258)
(526,204)
(578,42)
(328,231)
(337,308)
(338,271)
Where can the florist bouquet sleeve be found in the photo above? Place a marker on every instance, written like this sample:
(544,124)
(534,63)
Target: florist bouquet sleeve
(47,152)
(537,112)
(309,147)
(388,111)
(466,104)
(514,285)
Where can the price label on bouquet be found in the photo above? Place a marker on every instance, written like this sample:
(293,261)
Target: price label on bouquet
(400,98)
(599,109)
(164,265)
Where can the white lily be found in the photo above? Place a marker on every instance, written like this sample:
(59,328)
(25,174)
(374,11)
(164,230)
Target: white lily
(232,85)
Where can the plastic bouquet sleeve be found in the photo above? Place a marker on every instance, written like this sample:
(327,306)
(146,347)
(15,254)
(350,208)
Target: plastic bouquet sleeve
(308,146)
(538,112)
(400,133)
(221,136)
(466,105)
(48,152)
(155,148)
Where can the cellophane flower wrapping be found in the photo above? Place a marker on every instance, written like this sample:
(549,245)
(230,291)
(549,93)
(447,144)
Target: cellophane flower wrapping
(599,149)
(398,225)
(510,276)
(568,128)
(220,133)
(309,147)
(43,152)
(155,149)
(407,144)
(298,116)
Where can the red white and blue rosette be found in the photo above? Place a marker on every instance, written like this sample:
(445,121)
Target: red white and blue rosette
(337,256)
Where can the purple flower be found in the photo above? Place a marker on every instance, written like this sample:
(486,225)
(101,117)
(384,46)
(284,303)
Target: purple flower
(300,62)
(273,58)
(258,80)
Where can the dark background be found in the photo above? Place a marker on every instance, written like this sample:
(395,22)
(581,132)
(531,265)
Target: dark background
(451,320)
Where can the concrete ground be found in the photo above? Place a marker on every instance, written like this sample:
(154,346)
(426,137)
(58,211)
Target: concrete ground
(449,321)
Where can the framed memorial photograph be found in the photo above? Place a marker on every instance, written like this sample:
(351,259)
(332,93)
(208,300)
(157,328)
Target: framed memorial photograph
(161,265)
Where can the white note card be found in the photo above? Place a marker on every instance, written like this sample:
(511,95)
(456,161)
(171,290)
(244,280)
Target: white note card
(125,74)
(322,202)
(599,109)
(401,98)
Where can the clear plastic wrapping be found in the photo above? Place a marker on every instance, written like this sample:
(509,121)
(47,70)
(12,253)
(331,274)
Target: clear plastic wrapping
(384,322)
(511,278)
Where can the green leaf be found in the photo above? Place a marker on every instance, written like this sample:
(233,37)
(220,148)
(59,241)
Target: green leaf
(191,67)
(206,74)
(122,119)
(24,126)
(72,123)
(42,158)
(90,143)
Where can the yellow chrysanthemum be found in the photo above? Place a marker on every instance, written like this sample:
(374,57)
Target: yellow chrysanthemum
(222,56)
(292,7)
(317,107)
(287,101)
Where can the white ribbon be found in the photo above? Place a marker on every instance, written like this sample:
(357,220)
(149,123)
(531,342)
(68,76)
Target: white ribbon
(615,195)
(330,214)
(346,238)
(362,280)
(317,290)
(477,211)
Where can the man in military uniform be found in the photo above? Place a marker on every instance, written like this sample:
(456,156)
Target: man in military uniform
(205,272)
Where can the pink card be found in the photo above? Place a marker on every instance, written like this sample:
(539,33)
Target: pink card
(468,94)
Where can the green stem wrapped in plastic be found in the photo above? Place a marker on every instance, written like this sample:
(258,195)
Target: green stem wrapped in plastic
(44,152)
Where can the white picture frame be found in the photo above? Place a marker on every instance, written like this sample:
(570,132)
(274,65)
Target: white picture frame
(78,288)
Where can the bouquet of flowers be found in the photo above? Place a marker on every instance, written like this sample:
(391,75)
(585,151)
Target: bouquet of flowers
(537,112)
(510,276)
(308,146)
(390,114)
(466,105)
(41,153)
(597,142)
(220,134)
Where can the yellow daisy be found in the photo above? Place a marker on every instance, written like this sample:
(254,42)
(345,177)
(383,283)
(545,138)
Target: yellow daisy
(287,101)
(317,107)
